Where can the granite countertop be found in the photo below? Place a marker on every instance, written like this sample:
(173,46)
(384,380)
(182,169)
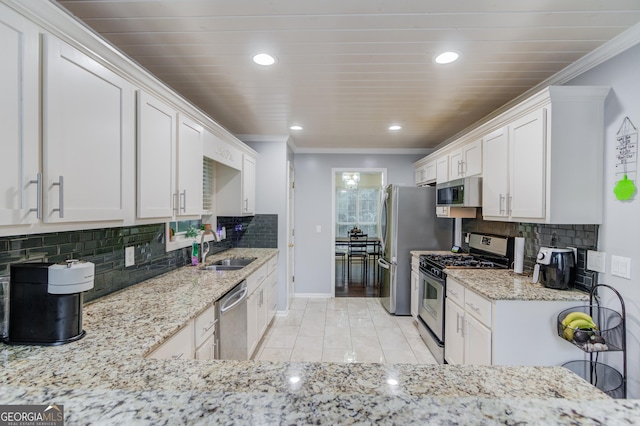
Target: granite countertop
(104,377)
(500,284)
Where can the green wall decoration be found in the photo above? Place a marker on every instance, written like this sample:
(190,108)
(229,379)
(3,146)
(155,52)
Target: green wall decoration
(626,160)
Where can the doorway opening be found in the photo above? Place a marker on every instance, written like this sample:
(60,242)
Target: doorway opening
(355,231)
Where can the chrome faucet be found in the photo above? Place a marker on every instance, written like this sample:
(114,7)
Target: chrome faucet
(204,252)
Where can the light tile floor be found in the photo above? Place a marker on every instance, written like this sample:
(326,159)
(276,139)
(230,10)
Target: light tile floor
(343,330)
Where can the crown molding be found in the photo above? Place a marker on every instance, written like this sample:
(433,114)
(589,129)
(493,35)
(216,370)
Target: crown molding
(262,138)
(364,151)
(608,50)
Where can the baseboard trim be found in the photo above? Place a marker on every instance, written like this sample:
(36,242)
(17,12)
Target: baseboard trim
(314,295)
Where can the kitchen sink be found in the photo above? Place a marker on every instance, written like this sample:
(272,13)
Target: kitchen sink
(236,261)
(229,264)
(222,267)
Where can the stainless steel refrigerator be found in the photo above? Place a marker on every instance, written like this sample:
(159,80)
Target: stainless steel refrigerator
(407,222)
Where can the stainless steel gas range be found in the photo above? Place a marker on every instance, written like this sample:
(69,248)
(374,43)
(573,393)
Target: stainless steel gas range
(485,251)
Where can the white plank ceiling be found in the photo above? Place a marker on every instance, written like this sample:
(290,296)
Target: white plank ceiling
(348,69)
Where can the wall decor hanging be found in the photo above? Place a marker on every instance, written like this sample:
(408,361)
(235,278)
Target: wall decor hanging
(626,160)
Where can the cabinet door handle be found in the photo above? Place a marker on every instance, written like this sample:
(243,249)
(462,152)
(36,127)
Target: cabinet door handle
(509,200)
(60,208)
(178,356)
(246,204)
(38,182)
(211,324)
(176,206)
(453,292)
(472,306)
(458,328)
(183,206)
(501,203)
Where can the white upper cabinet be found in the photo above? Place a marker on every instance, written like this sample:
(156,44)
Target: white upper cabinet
(248,185)
(425,174)
(442,169)
(189,177)
(466,161)
(236,189)
(545,165)
(88,129)
(156,157)
(495,179)
(169,161)
(527,142)
(19,122)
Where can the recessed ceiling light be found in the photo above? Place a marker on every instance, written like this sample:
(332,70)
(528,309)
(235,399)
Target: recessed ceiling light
(447,57)
(264,59)
(296,127)
(395,127)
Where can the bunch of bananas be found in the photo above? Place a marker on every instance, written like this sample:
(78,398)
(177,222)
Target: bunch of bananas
(576,321)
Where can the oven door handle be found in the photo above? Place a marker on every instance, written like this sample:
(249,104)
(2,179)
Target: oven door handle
(384,264)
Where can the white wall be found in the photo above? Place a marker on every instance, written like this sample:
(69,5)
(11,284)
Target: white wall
(271,198)
(620,232)
(313,251)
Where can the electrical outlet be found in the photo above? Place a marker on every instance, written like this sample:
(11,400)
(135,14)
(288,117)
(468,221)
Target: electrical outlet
(596,261)
(129,256)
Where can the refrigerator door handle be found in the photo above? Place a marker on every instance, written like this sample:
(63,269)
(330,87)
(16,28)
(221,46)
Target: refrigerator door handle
(384,264)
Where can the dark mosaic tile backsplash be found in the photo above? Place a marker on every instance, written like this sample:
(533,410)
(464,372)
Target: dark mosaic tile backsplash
(105,248)
(584,237)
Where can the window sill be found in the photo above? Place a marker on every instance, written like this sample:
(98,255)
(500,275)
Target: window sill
(180,241)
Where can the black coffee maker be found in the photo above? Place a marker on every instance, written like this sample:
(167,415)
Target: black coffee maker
(45,302)
(557,267)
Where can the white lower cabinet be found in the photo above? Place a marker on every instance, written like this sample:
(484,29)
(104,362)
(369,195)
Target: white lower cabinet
(477,345)
(207,350)
(502,332)
(178,346)
(467,340)
(257,311)
(205,334)
(272,289)
(262,302)
(196,340)
(454,340)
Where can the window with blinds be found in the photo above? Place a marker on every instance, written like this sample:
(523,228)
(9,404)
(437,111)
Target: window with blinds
(208,184)
(359,208)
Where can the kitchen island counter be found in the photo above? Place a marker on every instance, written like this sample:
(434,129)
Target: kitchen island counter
(104,377)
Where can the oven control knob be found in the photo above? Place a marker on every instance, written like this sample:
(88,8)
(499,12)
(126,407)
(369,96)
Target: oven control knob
(541,255)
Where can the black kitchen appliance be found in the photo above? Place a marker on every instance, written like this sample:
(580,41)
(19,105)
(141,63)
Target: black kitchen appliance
(557,268)
(485,252)
(45,302)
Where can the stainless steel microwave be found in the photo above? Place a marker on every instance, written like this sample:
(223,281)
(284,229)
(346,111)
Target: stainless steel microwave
(465,192)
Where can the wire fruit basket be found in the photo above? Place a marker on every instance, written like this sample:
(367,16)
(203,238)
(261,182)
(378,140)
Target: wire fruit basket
(605,336)
(595,329)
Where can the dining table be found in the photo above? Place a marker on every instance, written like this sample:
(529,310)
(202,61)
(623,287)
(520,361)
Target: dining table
(373,242)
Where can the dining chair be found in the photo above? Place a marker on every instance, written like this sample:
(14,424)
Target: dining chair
(341,254)
(358,253)
(373,251)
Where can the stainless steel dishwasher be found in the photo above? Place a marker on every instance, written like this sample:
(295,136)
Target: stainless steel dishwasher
(231,328)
